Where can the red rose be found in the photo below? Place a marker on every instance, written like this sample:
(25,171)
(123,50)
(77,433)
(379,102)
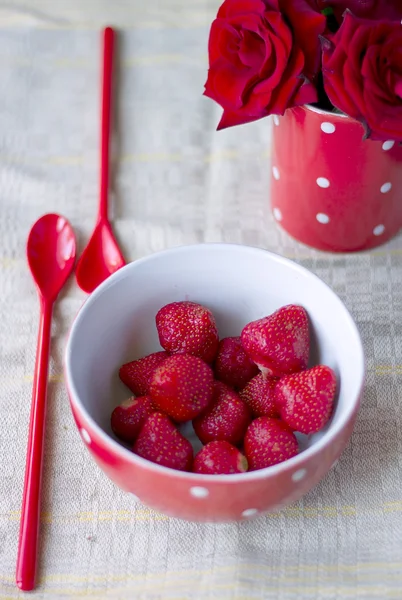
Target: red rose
(369,9)
(362,68)
(262,54)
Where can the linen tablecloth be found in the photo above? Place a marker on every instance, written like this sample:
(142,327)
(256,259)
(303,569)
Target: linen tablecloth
(176,181)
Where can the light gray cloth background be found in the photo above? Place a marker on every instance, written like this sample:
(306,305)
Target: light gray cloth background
(176,181)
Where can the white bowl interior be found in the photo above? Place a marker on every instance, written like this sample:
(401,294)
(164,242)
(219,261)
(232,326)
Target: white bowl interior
(239,284)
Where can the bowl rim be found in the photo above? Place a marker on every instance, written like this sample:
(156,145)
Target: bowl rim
(271,471)
(328,113)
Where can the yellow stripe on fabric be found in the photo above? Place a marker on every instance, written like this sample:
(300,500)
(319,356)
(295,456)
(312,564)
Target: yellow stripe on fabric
(141,157)
(163,59)
(9,262)
(238,567)
(55,378)
(326,584)
(65,160)
(150,157)
(129,62)
(145,514)
(135,26)
(388,370)
(141,514)
(331,589)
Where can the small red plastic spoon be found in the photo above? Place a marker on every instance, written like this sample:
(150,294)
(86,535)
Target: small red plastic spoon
(51,256)
(102,255)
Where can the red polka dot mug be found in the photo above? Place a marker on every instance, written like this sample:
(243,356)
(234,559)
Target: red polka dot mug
(331,188)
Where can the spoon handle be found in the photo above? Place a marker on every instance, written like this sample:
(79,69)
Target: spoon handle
(30,512)
(108,47)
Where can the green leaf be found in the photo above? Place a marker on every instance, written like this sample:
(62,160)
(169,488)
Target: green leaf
(327,12)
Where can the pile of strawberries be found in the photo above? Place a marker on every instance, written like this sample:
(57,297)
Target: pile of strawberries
(245,396)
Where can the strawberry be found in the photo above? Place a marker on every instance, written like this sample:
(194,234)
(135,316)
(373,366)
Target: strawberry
(128,418)
(160,442)
(268,442)
(232,365)
(226,419)
(188,328)
(279,344)
(259,395)
(305,399)
(182,386)
(137,374)
(219,458)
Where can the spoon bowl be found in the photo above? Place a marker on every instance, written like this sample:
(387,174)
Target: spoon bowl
(101,258)
(51,254)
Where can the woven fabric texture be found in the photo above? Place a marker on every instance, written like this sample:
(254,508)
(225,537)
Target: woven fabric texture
(175,181)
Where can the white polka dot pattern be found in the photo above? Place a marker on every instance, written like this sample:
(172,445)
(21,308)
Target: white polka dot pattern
(249,512)
(328,127)
(386,187)
(85,436)
(379,230)
(322,218)
(323,182)
(299,475)
(199,492)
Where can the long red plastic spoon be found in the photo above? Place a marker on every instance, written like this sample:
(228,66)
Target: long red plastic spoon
(102,255)
(51,256)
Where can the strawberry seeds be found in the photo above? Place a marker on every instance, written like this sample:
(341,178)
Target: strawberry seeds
(246,396)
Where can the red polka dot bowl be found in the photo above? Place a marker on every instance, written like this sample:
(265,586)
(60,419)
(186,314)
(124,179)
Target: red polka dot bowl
(117,324)
(331,188)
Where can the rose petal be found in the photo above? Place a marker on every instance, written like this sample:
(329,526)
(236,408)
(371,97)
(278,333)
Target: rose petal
(252,50)
(307,24)
(353,85)
(226,84)
(274,67)
(228,44)
(280,45)
(362,72)
(306,94)
(232,8)
(283,96)
(368,9)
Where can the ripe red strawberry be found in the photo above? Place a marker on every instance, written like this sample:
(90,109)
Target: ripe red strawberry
(232,365)
(279,344)
(128,418)
(188,328)
(226,419)
(268,442)
(137,374)
(219,458)
(259,395)
(182,387)
(305,399)
(160,442)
